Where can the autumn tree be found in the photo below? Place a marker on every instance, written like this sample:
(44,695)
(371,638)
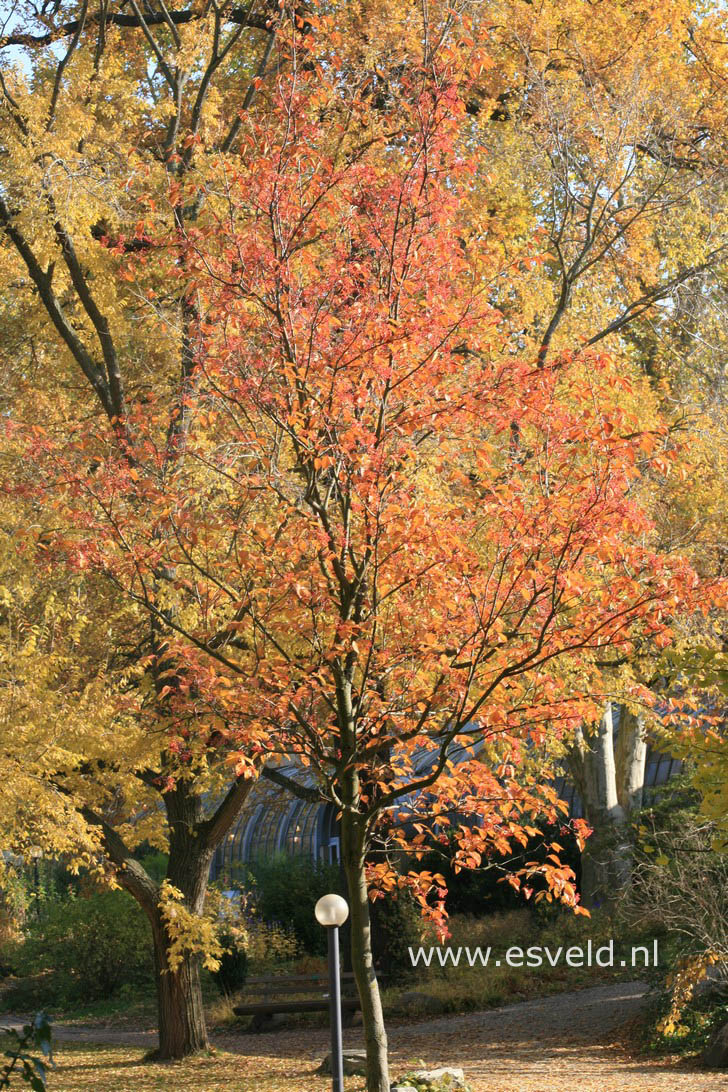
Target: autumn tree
(382,547)
(609,165)
(122,131)
(81,121)
(617,156)
(86,770)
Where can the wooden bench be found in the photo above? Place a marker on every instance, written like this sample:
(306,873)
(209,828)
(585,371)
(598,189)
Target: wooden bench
(271,994)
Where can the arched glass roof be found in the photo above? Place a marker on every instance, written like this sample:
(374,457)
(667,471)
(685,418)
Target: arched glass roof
(275,821)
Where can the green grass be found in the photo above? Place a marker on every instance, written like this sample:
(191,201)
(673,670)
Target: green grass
(464,988)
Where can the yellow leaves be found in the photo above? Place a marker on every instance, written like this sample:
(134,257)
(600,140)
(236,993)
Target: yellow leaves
(682,982)
(90,1069)
(104,169)
(188,933)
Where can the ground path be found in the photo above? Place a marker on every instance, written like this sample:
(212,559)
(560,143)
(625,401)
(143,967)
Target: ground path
(563,1043)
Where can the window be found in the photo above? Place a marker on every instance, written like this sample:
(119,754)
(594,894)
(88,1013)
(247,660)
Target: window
(330,852)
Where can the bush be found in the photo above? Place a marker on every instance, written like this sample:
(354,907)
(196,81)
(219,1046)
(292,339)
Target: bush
(397,925)
(233,970)
(155,863)
(286,891)
(699,1020)
(92,946)
(679,888)
(270,944)
(679,878)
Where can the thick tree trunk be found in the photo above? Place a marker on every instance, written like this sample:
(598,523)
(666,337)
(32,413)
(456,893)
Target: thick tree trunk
(608,771)
(182,1027)
(362,959)
(192,842)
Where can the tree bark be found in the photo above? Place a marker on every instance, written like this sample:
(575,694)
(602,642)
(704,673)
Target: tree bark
(182,1027)
(609,779)
(353,841)
(631,760)
(192,843)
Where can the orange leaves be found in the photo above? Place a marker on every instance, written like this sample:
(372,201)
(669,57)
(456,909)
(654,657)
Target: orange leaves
(368,534)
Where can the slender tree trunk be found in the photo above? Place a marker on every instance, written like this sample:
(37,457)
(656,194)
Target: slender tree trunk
(631,760)
(353,853)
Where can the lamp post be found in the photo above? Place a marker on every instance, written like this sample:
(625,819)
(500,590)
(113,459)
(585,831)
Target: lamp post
(332,911)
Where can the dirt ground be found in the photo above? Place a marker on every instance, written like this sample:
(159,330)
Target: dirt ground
(563,1043)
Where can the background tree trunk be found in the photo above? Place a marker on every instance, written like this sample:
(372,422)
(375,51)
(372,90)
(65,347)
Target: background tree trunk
(608,770)
(631,760)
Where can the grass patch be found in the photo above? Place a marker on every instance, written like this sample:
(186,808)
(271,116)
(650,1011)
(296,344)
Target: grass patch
(464,988)
(453,989)
(132,1011)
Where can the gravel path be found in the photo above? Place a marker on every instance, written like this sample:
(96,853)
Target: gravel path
(563,1043)
(567,1042)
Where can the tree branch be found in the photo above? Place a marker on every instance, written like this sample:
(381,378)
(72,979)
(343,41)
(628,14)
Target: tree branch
(42,281)
(214,829)
(99,321)
(240,16)
(132,874)
(303,792)
(659,292)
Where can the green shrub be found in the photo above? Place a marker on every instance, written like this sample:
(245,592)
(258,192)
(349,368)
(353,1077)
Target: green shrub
(155,863)
(396,926)
(699,1021)
(233,970)
(92,946)
(286,891)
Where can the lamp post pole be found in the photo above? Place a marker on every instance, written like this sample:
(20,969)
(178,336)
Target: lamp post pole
(331,912)
(337,1049)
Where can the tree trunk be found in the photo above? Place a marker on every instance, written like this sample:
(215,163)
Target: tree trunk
(631,760)
(375,1036)
(193,839)
(182,1027)
(609,778)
